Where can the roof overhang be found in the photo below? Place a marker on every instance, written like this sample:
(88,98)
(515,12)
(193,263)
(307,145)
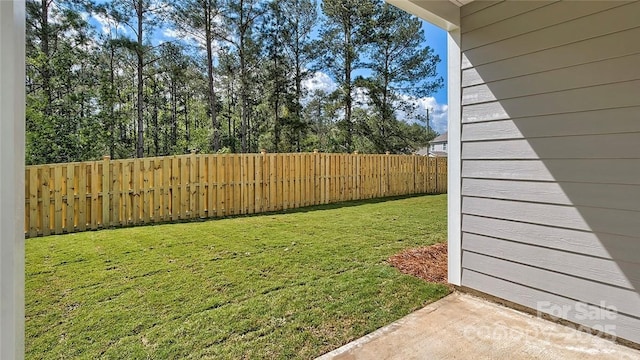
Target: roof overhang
(442,13)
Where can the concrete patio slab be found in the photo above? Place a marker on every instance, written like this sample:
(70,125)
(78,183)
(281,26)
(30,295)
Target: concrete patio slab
(462,326)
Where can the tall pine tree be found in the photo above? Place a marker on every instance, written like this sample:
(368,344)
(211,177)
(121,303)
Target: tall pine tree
(345,32)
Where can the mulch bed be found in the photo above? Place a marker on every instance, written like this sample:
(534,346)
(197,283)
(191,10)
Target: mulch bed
(428,263)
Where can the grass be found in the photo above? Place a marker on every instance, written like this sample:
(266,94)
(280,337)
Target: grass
(286,285)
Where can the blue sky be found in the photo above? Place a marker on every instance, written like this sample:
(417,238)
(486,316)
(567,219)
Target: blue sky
(437,39)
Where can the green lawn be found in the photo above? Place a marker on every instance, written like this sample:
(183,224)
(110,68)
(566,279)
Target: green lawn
(286,285)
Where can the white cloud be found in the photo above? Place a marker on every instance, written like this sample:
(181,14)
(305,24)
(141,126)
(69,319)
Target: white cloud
(418,113)
(55,15)
(319,81)
(104,22)
(108,25)
(437,113)
(171,33)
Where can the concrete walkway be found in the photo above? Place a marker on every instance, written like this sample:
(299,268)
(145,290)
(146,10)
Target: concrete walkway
(461,326)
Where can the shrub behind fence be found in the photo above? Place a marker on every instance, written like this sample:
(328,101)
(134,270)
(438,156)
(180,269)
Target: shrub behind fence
(64,198)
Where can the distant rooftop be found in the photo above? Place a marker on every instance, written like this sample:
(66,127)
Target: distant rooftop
(440,139)
(423,151)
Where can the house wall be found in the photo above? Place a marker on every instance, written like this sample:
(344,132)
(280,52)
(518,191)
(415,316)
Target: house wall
(439,147)
(551,158)
(12,104)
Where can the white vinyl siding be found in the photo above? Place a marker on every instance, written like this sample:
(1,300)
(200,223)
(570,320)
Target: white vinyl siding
(439,147)
(551,154)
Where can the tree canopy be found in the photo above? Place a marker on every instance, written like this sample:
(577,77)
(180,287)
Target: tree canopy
(230,79)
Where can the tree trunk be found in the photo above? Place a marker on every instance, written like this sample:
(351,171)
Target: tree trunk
(187,127)
(297,113)
(243,99)
(186,117)
(347,85)
(174,115)
(215,124)
(276,104)
(156,140)
(112,105)
(386,113)
(140,53)
(46,73)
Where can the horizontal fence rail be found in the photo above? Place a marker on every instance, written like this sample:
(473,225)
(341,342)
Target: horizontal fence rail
(73,197)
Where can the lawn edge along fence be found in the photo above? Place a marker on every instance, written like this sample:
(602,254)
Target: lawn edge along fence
(74,197)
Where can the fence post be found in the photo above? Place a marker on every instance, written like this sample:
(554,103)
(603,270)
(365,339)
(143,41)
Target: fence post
(106,185)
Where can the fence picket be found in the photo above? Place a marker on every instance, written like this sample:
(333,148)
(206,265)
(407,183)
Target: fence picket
(202,207)
(291,174)
(117,193)
(174,189)
(213,181)
(46,200)
(155,188)
(93,192)
(325,178)
(106,190)
(192,191)
(70,197)
(259,199)
(228,181)
(237,184)
(166,188)
(183,180)
(135,193)
(33,200)
(82,197)
(147,176)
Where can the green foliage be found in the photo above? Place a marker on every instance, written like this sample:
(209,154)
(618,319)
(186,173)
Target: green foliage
(233,81)
(60,112)
(276,286)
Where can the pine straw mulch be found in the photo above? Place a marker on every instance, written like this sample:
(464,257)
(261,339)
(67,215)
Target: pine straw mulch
(428,263)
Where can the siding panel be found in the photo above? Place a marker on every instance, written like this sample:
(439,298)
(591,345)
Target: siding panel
(609,246)
(609,221)
(596,269)
(476,6)
(603,171)
(610,21)
(551,154)
(584,99)
(524,19)
(619,146)
(627,301)
(591,74)
(625,326)
(590,50)
(624,197)
(494,14)
(567,124)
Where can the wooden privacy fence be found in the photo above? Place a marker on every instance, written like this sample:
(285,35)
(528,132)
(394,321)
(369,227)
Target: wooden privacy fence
(64,198)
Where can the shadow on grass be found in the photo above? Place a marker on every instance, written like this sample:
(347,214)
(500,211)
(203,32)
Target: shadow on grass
(332,206)
(305,209)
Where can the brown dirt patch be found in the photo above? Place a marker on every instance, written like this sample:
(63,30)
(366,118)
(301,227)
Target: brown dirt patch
(428,263)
